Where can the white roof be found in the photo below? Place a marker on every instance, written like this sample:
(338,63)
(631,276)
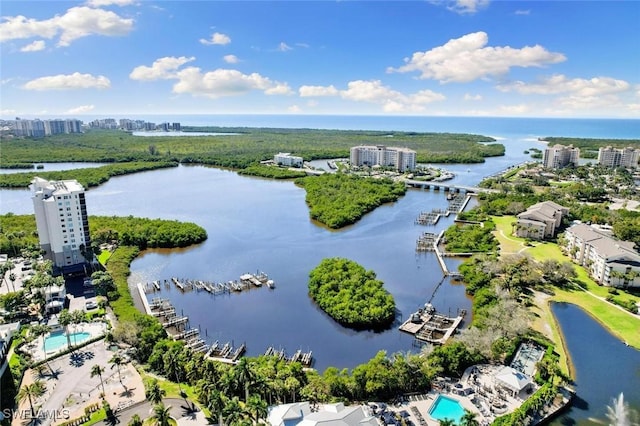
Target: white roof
(328,414)
(512,378)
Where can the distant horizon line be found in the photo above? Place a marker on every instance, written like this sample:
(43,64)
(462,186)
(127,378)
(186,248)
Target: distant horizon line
(111,115)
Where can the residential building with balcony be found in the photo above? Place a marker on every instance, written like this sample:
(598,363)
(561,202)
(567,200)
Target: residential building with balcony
(286,159)
(618,157)
(540,221)
(610,262)
(559,156)
(401,159)
(62,221)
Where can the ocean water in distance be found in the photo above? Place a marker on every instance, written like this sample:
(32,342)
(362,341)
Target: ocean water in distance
(489,126)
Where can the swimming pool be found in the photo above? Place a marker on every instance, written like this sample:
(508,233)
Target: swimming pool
(56,341)
(446,408)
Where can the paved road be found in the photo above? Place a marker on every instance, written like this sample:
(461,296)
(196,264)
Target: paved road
(179,411)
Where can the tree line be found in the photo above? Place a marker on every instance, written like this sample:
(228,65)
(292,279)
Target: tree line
(338,200)
(350,294)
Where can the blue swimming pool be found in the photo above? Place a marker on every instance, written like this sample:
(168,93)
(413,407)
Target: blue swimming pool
(58,340)
(446,408)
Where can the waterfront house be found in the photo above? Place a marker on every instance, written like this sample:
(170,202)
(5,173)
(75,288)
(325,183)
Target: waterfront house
(609,261)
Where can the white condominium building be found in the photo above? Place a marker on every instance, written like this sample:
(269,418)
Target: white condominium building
(618,157)
(61,219)
(286,159)
(559,156)
(610,262)
(402,159)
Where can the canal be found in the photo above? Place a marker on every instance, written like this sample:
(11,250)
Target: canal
(603,367)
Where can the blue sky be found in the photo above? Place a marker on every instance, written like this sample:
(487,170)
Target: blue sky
(452,58)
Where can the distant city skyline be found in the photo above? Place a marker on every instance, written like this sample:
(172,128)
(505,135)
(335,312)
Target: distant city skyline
(564,59)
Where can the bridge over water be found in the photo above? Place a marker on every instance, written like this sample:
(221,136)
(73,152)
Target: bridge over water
(443,186)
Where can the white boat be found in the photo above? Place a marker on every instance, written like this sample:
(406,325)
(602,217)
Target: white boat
(271,283)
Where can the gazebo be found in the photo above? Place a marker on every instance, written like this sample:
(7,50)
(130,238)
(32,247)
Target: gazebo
(512,380)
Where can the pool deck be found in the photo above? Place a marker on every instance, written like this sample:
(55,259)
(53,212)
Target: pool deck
(95,329)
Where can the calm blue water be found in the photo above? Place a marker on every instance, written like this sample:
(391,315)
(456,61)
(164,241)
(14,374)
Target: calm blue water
(446,408)
(254,223)
(603,367)
(490,126)
(56,341)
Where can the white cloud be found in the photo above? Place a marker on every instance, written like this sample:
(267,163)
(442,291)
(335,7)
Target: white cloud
(373,91)
(82,109)
(7,111)
(283,47)
(101,3)
(294,109)
(464,7)
(559,83)
(468,58)
(224,82)
(231,59)
(34,47)
(522,12)
(69,81)
(213,84)
(279,89)
(470,97)
(306,91)
(163,68)
(217,38)
(77,22)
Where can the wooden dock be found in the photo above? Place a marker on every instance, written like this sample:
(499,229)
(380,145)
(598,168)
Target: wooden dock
(304,358)
(226,353)
(427,325)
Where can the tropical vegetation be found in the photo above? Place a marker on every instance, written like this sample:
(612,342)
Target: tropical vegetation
(338,200)
(350,294)
(87,177)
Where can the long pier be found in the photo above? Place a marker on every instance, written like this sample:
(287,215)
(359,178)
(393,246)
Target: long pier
(246,282)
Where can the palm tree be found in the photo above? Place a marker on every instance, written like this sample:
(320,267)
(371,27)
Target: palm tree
(161,415)
(468,419)
(31,392)
(447,422)
(64,319)
(97,370)
(135,421)
(116,361)
(154,392)
(244,376)
(258,407)
(77,317)
(233,411)
(42,330)
(12,278)
(216,402)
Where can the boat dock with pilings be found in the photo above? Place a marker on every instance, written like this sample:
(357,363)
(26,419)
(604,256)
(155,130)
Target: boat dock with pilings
(304,358)
(176,326)
(246,282)
(426,325)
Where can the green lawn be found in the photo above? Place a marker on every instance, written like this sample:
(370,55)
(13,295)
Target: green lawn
(619,322)
(104,256)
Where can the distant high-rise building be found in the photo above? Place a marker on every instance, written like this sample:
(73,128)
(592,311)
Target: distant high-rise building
(402,159)
(176,127)
(61,219)
(618,157)
(559,156)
